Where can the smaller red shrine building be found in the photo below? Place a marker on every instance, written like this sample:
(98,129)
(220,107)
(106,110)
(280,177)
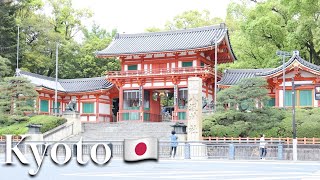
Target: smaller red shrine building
(305,74)
(93,95)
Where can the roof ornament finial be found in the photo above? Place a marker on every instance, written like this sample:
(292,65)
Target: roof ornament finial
(223,25)
(296,52)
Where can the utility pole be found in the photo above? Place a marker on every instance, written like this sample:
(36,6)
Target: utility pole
(294,132)
(18,41)
(284,54)
(56,88)
(215,72)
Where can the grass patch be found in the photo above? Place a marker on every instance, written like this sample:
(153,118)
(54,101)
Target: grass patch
(47,122)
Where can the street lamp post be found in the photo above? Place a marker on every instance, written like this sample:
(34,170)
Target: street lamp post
(284,54)
(215,70)
(56,81)
(18,42)
(294,131)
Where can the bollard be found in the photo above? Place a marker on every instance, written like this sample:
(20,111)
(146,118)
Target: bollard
(187,151)
(231,152)
(280,151)
(111,148)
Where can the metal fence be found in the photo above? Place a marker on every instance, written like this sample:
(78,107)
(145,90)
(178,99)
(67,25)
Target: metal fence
(189,150)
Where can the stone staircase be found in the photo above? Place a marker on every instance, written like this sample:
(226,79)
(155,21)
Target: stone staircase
(124,130)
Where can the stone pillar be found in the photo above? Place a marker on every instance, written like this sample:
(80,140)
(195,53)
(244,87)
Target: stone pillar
(74,117)
(194,128)
(194,109)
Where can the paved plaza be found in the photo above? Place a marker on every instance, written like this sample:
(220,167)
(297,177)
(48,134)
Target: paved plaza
(168,169)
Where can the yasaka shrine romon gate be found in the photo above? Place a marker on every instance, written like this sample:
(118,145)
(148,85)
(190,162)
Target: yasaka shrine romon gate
(160,63)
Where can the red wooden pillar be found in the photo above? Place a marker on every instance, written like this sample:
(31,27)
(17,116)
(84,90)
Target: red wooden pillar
(176,107)
(207,89)
(78,103)
(62,104)
(38,103)
(97,107)
(110,109)
(50,104)
(277,97)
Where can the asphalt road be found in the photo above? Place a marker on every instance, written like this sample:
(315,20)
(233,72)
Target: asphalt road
(167,169)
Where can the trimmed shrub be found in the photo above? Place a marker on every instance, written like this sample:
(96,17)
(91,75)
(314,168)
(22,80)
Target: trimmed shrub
(272,122)
(20,127)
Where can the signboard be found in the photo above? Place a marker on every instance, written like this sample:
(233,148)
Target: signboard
(317,92)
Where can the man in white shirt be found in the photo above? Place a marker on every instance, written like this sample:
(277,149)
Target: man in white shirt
(262,147)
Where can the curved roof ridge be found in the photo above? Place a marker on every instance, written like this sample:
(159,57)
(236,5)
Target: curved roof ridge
(144,34)
(294,57)
(233,76)
(69,85)
(248,70)
(37,75)
(83,79)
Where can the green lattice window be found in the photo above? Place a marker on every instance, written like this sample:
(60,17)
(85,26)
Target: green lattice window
(58,106)
(44,106)
(288,98)
(271,102)
(133,67)
(88,107)
(187,64)
(305,97)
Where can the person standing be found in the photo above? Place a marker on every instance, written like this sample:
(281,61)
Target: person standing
(262,147)
(174,144)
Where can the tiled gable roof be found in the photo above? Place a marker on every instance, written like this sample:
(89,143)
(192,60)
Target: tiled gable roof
(68,85)
(288,63)
(167,41)
(233,76)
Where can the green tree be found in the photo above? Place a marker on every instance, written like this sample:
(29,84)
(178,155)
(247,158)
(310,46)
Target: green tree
(8,31)
(192,19)
(4,67)
(259,28)
(42,33)
(67,20)
(85,64)
(189,19)
(245,94)
(17,95)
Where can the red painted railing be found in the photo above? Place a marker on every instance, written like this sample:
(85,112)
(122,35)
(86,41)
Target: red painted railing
(136,116)
(286,140)
(164,71)
(14,138)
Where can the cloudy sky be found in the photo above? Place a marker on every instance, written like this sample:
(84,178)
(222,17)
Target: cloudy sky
(134,16)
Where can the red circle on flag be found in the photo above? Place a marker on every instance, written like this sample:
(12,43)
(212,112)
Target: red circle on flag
(140,149)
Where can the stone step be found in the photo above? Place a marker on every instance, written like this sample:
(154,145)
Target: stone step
(124,130)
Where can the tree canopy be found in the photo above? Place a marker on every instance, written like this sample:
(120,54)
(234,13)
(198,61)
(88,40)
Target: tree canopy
(245,95)
(17,95)
(40,33)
